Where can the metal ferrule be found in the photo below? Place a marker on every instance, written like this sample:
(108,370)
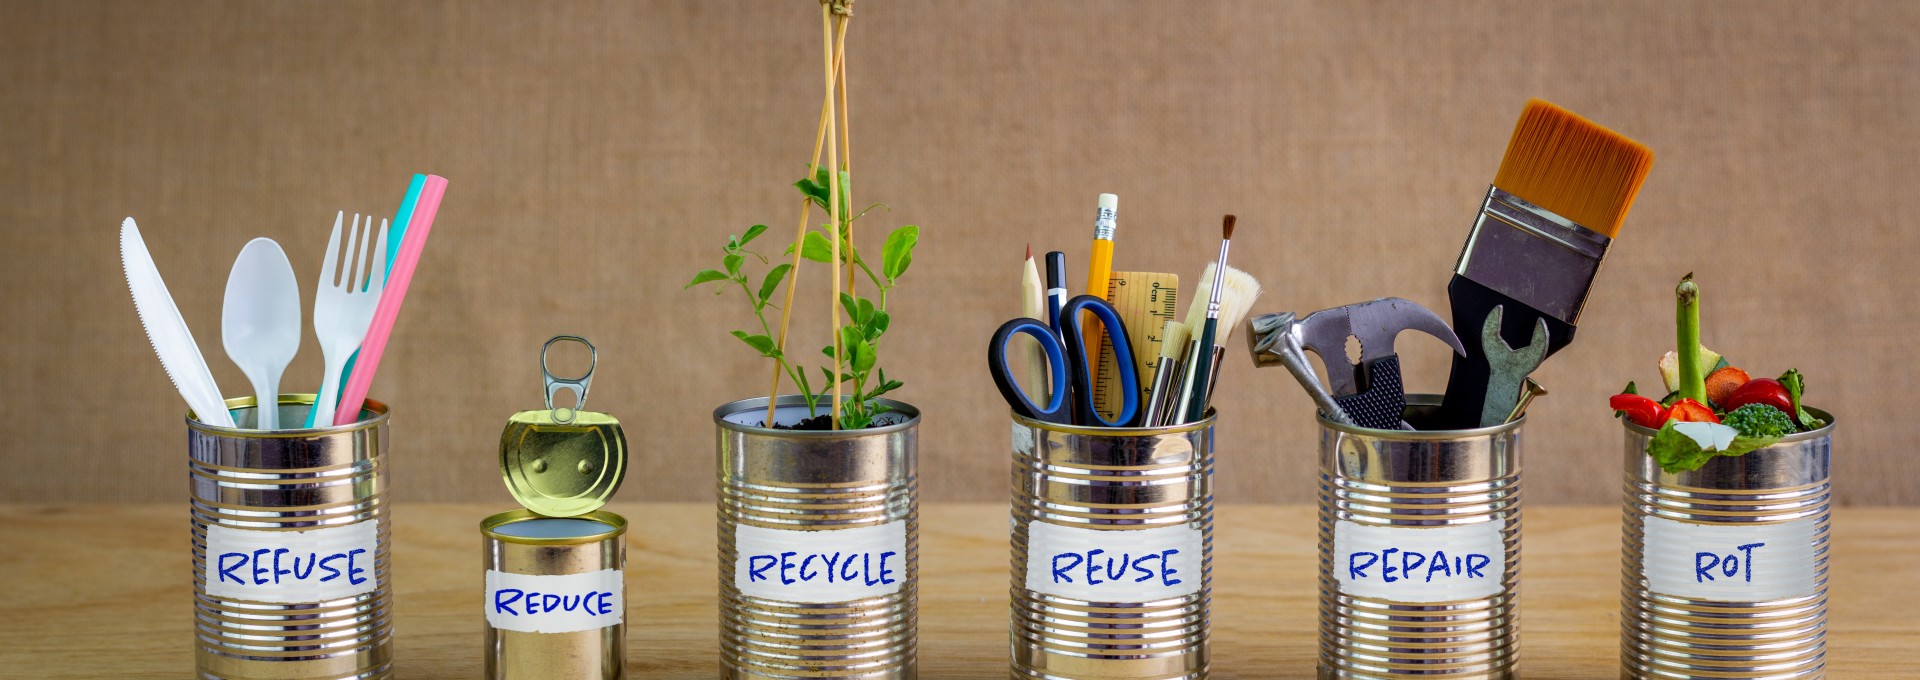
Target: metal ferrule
(291,480)
(1111,479)
(592,654)
(817,481)
(1419,479)
(1103,224)
(1667,636)
(1534,256)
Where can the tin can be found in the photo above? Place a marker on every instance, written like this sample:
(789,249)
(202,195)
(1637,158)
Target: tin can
(556,596)
(1724,568)
(1112,551)
(818,536)
(292,572)
(1419,550)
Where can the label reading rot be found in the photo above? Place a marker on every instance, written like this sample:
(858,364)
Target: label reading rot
(1727,563)
(1420,564)
(316,565)
(1141,565)
(840,565)
(555,603)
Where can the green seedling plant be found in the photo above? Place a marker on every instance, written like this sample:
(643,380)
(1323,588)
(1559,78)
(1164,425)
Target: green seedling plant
(858,340)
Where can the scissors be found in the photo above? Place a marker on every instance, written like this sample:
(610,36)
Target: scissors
(1071,400)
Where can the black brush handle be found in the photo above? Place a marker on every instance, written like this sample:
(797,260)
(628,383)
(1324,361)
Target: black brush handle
(1467,384)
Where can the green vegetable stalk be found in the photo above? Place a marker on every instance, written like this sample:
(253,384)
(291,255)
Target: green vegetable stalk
(1693,381)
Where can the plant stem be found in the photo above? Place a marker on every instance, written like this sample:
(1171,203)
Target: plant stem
(1693,385)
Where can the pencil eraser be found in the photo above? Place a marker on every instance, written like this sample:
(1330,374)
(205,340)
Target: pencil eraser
(1109,202)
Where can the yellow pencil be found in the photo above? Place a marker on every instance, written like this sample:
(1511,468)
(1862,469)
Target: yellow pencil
(1099,270)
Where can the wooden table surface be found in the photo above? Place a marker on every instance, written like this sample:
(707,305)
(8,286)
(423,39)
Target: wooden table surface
(105,591)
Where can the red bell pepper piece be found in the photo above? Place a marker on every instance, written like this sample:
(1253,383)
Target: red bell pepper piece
(1641,410)
(1690,411)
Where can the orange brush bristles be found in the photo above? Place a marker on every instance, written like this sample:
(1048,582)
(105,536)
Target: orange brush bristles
(1573,167)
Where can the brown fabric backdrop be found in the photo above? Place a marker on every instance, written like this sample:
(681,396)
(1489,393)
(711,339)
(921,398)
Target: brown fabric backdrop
(599,152)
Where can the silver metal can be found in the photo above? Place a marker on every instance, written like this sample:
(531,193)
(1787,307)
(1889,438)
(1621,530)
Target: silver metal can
(1442,509)
(1088,499)
(818,536)
(292,569)
(1724,568)
(574,564)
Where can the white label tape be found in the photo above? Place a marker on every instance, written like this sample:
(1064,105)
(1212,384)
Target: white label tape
(1420,564)
(1730,563)
(840,565)
(288,567)
(1092,565)
(555,603)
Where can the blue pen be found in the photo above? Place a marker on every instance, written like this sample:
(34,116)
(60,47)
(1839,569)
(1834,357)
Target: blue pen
(1056,288)
(396,230)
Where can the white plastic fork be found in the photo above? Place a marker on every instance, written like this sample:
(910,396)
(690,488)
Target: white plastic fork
(342,310)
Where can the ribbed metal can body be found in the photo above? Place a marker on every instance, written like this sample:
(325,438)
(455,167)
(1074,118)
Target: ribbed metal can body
(1724,568)
(535,560)
(846,497)
(253,487)
(1419,550)
(1086,497)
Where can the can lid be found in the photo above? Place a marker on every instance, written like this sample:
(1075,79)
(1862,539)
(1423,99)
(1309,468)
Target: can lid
(562,470)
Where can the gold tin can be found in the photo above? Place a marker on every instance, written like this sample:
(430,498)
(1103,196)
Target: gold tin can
(292,568)
(1088,499)
(1419,550)
(1724,568)
(555,596)
(801,495)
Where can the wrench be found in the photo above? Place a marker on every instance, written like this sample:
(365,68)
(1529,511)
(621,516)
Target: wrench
(1510,367)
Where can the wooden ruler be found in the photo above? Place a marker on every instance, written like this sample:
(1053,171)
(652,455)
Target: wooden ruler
(1146,302)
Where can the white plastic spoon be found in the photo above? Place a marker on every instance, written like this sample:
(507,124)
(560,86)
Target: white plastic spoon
(260,324)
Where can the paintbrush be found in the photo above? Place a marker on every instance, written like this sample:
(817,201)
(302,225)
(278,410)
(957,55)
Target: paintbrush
(1166,370)
(1238,290)
(1553,210)
(1202,363)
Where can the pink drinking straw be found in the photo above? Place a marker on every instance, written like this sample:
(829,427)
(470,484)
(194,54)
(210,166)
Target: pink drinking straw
(355,395)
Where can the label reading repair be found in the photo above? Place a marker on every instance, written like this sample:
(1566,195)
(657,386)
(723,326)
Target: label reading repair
(1728,563)
(309,566)
(1092,565)
(555,603)
(1420,564)
(840,565)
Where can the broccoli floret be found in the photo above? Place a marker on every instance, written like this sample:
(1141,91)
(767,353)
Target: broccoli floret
(1760,420)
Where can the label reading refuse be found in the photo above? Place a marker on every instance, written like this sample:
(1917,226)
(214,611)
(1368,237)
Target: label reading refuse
(1420,564)
(316,565)
(840,565)
(1141,565)
(1729,563)
(555,603)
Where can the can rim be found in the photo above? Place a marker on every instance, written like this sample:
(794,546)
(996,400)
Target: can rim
(617,523)
(1796,437)
(379,409)
(1212,417)
(760,403)
(1421,399)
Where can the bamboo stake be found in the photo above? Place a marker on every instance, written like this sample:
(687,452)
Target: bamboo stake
(799,238)
(846,142)
(833,210)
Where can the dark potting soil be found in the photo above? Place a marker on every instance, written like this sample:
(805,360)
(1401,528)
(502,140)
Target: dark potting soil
(824,422)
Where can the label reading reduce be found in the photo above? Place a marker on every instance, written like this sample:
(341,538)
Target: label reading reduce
(555,603)
(840,565)
(1420,564)
(310,566)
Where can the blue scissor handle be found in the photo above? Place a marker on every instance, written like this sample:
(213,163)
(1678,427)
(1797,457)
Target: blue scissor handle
(1079,362)
(1057,409)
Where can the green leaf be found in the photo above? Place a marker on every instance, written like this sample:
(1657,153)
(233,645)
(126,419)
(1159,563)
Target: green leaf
(828,350)
(805,389)
(759,342)
(878,324)
(1631,389)
(753,232)
(817,247)
(897,254)
(772,282)
(1796,384)
(1676,452)
(732,261)
(866,312)
(813,190)
(863,356)
(848,335)
(852,307)
(704,276)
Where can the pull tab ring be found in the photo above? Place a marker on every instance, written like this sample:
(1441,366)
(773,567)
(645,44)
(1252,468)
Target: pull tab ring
(578,385)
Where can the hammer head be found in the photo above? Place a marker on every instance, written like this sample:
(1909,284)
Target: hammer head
(1264,337)
(1375,324)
